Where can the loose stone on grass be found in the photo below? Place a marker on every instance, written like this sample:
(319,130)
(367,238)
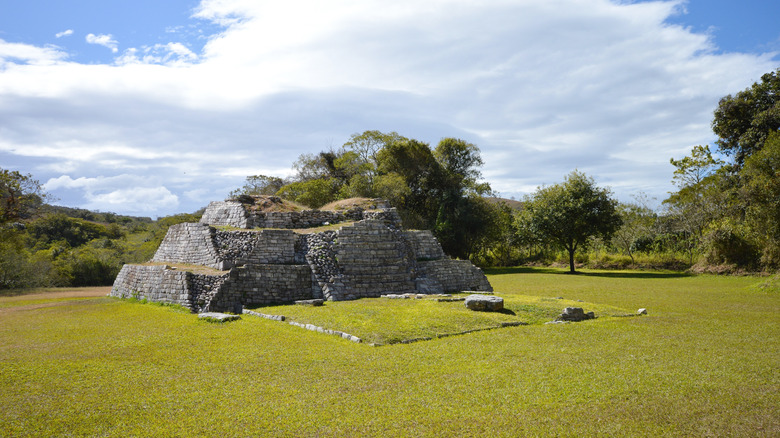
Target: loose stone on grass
(575,314)
(218,317)
(484,303)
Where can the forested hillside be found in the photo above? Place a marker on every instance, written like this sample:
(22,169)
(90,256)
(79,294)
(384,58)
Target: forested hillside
(44,245)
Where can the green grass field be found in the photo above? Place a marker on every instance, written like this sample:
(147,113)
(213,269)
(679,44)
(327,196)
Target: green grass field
(704,362)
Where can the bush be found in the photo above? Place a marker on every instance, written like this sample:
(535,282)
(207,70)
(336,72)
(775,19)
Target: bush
(18,268)
(87,266)
(727,243)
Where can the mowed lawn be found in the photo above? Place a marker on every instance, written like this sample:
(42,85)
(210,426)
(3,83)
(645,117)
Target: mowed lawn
(705,361)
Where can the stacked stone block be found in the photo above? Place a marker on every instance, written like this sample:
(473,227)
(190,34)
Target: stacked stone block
(189,243)
(454,275)
(239,215)
(265,284)
(161,283)
(424,245)
(373,260)
(230,213)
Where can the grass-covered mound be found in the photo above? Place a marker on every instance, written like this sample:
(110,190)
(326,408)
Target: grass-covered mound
(703,363)
(389,321)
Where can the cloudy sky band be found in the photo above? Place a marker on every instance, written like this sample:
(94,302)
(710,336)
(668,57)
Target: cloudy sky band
(543,87)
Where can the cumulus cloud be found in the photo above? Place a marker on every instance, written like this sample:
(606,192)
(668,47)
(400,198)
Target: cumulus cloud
(541,86)
(105,40)
(64,33)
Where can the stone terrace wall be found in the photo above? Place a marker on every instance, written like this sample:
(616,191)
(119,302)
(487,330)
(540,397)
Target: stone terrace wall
(162,284)
(190,243)
(199,244)
(373,259)
(295,219)
(237,248)
(455,275)
(264,284)
(424,245)
(236,214)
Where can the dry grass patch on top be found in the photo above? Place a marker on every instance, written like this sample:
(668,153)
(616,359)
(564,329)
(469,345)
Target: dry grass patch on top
(267,203)
(346,204)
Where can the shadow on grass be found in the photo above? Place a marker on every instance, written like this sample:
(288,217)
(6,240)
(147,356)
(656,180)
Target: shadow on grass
(612,274)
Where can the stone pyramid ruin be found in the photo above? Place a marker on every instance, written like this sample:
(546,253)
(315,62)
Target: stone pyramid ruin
(242,254)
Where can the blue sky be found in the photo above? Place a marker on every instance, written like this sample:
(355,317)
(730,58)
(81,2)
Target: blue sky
(154,108)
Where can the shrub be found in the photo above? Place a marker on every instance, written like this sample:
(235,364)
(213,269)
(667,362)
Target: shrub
(727,243)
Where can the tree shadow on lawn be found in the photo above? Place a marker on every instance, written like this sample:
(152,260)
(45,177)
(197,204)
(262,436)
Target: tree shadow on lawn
(613,274)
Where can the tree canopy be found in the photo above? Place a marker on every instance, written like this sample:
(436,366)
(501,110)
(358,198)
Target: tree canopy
(744,122)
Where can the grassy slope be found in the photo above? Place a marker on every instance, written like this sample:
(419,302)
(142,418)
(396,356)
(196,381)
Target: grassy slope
(703,363)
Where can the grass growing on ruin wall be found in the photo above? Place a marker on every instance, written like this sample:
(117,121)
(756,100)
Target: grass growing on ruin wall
(703,363)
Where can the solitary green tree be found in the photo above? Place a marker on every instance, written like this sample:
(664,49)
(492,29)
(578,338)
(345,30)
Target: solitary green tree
(568,213)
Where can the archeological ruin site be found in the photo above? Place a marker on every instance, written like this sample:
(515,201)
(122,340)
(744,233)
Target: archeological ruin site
(242,253)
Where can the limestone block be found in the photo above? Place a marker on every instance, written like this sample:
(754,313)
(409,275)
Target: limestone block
(485,303)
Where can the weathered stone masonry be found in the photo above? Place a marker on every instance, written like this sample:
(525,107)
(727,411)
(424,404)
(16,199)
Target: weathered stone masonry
(265,266)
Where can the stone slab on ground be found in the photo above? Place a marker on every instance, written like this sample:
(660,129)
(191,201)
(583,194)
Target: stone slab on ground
(218,317)
(484,303)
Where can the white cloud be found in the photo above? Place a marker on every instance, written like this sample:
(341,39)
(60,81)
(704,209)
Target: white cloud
(126,193)
(13,54)
(147,200)
(167,54)
(105,40)
(542,86)
(64,33)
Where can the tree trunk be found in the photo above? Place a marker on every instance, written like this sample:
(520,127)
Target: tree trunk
(571,259)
